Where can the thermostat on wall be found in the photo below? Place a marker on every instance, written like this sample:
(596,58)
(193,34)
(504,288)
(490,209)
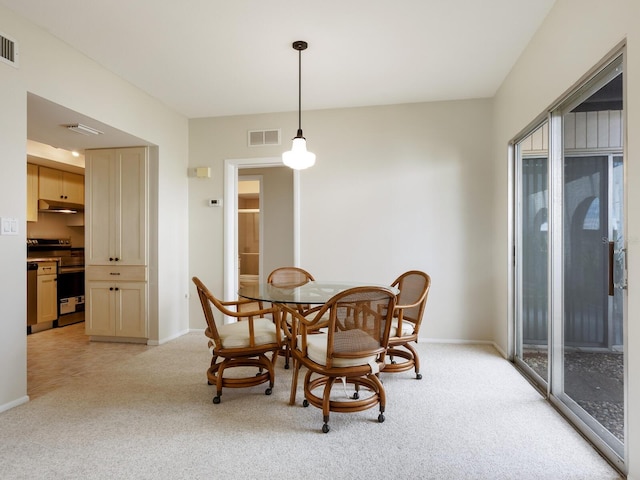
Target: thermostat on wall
(215,202)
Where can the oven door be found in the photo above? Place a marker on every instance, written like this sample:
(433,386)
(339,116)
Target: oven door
(71,294)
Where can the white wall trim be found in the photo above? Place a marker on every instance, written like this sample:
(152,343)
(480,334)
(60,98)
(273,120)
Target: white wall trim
(162,341)
(15,403)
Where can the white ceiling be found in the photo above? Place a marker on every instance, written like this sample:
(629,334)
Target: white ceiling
(207,58)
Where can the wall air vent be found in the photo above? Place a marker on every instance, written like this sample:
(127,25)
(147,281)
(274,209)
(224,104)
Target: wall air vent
(262,138)
(8,50)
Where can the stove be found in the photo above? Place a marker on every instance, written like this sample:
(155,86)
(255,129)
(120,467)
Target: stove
(70,271)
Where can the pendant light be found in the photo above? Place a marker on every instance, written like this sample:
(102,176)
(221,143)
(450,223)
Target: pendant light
(298,157)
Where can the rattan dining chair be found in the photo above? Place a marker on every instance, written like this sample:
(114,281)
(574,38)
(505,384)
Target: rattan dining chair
(243,343)
(351,351)
(289,277)
(414,289)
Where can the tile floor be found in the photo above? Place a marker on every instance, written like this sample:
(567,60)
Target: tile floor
(57,355)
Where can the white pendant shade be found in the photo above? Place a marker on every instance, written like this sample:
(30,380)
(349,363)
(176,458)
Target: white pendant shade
(298,157)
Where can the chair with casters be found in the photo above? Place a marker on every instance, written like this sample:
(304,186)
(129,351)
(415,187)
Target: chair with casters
(350,350)
(414,288)
(243,343)
(289,277)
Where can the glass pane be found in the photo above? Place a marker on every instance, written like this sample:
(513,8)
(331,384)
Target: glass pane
(592,245)
(533,254)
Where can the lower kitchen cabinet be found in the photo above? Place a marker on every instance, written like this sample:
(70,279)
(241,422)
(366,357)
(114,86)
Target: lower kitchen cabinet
(116,309)
(47,292)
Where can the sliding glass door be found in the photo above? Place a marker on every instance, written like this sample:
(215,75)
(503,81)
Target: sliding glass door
(532,284)
(569,258)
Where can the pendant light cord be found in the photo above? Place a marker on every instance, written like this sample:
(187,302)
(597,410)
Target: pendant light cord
(299,93)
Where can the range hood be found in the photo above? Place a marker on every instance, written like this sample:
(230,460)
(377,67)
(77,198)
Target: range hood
(59,207)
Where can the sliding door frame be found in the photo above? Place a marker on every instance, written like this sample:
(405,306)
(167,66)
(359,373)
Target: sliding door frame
(609,446)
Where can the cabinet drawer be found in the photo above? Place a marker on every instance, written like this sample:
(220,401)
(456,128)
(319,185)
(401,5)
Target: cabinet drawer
(107,273)
(47,268)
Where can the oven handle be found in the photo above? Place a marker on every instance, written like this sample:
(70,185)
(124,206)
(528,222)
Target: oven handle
(63,270)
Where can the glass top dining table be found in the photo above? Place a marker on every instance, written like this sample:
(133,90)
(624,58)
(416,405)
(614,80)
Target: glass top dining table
(311,293)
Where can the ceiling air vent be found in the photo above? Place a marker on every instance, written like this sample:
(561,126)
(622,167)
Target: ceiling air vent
(8,50)
(261,138)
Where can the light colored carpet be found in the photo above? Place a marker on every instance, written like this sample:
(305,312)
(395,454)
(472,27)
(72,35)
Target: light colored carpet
(472,416)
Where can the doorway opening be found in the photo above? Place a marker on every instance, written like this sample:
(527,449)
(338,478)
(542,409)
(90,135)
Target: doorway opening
(250,229)
(279,213)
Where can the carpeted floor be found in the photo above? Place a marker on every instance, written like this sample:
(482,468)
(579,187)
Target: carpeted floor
(472,416)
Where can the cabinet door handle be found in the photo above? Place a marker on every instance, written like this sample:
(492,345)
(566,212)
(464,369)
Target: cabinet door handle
(114,273)
(111,289)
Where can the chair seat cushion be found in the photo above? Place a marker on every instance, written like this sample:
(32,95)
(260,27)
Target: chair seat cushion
(236,335)
(317,351)
(407,328)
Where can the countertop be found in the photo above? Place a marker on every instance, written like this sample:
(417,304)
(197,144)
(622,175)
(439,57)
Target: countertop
(43,259)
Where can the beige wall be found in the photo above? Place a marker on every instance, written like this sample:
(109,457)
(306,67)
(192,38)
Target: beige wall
(74,81)
(574,38)
(394,188)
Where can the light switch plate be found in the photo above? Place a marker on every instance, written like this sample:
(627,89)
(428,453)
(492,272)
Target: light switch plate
(8,226)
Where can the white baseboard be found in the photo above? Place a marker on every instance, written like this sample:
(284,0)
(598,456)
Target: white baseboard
(421,339)
(155,343)
(464,342)
(15,403)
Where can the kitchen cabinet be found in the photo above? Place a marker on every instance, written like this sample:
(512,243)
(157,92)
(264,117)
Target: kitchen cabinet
(116,309)
(57,185)
(32,192)
(47,296)
(116,215)
(116,244)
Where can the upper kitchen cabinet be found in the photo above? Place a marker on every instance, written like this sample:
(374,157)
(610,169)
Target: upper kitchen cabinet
(116,212)
(57,185)
(32,193)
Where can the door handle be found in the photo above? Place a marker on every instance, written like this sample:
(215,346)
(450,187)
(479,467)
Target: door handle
(611,255)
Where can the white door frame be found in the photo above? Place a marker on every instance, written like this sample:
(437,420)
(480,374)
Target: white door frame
(230,205)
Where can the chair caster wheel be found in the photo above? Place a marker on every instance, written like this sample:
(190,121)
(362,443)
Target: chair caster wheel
(209,383)
(286,366)
(325,428)
(216,399)
(393,362)
(356,396)
(380,418)
(268,391)
(418,376)
(305,403)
